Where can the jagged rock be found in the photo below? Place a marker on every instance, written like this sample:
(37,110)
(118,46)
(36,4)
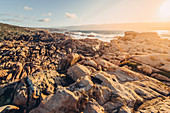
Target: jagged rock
(22,54)
(9,109)
(18,69)
(9,77)
(101,62)
(109,106)
(91,63)
(105,79)
(91,69)
(160,77)
(62,101)
(69,60)
(126,37)
(125,109)
(145,68)
(3,73)
(133,33)
(77,71)
(155,60)
(45,81)
(101,94)
(129,35)
(21,95)
(108,56)
(98,85)
(90,36)
(43,50)
(83,84)
(112,68)
(155,105)
(69,50)
(27,92)
(93,107)
(52,47)
(123,91)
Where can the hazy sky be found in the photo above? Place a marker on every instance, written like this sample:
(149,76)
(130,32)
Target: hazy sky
(51,13)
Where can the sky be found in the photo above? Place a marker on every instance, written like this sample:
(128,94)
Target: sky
(59,13)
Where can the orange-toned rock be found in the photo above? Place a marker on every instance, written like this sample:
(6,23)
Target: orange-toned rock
(3,73)
(77,71)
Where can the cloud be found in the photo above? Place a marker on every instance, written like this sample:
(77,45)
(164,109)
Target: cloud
(5,14)
(8,17)
(44,20)
(27,8)
(12,20)
(48,14)
(71,15)
(12,15)
(19,16)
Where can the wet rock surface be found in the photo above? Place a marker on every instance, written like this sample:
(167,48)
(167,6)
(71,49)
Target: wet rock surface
(42,72)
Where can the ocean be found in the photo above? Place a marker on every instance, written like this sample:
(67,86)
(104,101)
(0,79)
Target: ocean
(107,35)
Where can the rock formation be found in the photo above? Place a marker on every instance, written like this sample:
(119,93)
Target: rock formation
(42,72)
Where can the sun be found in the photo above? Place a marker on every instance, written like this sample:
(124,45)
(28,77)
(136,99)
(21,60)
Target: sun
(165,10)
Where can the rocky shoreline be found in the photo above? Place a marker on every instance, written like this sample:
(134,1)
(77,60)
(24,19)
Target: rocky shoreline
(42,72)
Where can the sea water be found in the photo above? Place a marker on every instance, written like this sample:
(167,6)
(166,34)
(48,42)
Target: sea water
(107,35)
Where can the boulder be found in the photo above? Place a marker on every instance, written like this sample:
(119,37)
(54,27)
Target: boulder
(91,63)
(101,62)
(93,107)
(63,101)
(69,60)
(112,68)
(127,37)
(77,71)
(101,93)
(133,33)
(81,85)
(145,69)
(125,109)
(28,92)
(109,106)
(90,36)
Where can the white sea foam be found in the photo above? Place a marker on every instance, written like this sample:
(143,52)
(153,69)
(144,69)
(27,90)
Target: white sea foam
(108,35)
(101,35)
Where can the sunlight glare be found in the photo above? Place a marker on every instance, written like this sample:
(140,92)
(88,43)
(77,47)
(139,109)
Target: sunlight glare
(165,10)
